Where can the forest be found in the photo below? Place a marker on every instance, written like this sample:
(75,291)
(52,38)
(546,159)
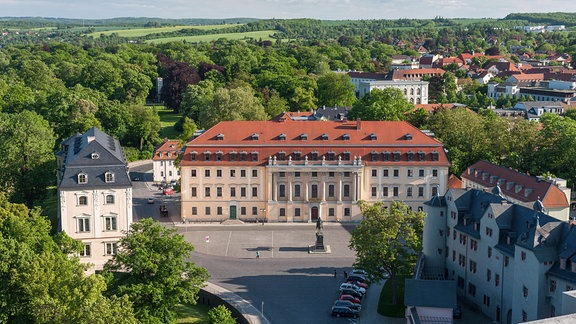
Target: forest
(53,87)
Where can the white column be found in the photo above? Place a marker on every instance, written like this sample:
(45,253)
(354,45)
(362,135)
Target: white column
(274,187)
(353,186)
(323,188)
(339,186)
(290,187)
(306,184)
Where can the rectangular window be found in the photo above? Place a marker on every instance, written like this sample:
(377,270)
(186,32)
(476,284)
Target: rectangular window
(396,173)
(243,173)
(194,211)
(254,211)
(86,251)
(374,172)
(243,211)
(552,286)
(254,191)
(409,192)
(297,190)
(232,191)
(374,191)
(281,174)
(421,173)
(346,190)
(434,191)
(297,212)
(242,191)
(314,174)
(409,173)
(111,248)
(219,173)
(192,173)
(218,191)
(331,191)
(525,291)
(330,211)
(297,174)
(385,173)
(347,174)
(83,224)
(331,174)
(314,193)
(232,173)
(395,191)
(523,255)
(420,191)
(471,289)
(385,191)
(282,212)
(255,173)
(346,211)
(207,192)
(282,191)
(219,210)
(110,223)
(489,252)
(207,173)
(434,173)
(496,279)
(488,275)
(207,211)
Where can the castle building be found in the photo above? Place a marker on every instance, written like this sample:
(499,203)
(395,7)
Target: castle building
(95,193)
(296,171)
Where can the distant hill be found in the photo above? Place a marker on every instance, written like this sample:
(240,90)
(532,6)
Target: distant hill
(551,18)
(30,22)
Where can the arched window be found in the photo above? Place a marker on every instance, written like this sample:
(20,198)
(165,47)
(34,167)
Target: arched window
(82,200)
(418,91)
(418,101)
(411,100)
(411,92)
(405,91)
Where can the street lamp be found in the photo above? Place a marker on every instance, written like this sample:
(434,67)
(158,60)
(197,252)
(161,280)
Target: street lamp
(263,210)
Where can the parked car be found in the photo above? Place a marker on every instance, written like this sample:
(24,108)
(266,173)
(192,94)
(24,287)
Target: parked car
(350,298)
(173,183)
(168,191)
(352,286)
(357,278)
(359,284)
(150,200)
(352,292)
(347,303)
(341,311)
(360,272)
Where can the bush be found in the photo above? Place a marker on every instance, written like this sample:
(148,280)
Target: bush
(221,315)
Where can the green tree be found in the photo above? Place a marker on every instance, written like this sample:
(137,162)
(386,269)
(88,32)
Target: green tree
(335,90)
(387,240)
(151,268)
(386,104)
(188,129)
(220,315)
(232,104)
(41,279)
(26,169)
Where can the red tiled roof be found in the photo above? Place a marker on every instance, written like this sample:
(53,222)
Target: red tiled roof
(550,195)
(264,137)
(169,146)
(532,76)
(291,114)
(454,182)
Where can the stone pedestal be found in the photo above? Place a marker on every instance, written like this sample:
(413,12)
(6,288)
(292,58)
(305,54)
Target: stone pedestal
(319,246)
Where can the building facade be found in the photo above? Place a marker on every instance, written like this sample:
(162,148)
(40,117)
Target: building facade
(95,193)
(297,171)
(513,262)
(415,91)
(164,168)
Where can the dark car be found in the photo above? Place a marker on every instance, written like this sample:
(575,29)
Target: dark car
(348,303)
(350,298)
(358,278)
(351,292)
(341,311)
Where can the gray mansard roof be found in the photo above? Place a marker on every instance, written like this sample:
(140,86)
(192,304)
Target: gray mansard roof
(94,154)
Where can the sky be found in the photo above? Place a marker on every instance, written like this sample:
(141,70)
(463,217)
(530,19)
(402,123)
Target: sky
(282,9)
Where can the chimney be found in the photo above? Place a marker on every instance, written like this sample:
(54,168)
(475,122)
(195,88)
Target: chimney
(358,124)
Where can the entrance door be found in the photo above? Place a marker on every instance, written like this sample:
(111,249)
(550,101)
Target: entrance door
(314,214)
(232,212)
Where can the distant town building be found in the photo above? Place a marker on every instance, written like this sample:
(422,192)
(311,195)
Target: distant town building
(163,166)
(95,193)
(414,91)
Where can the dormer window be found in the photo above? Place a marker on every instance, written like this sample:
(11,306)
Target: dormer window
(396,156)
(386,156)
(303,137)
(254,137)
(345,137)
(297,155)
(324,137)
(82,178)
(374,156)
(220,137)
(207,155)
(219,155)
(373,137)
(243,156)
(169,154)
(282,137)
(281,156)
(314,156)
(421,156)
(408,137)
(331,156)
(193,155)
(161,154)
(232,156)
(95,156)
(109,176)
(254,156)
(346,156)
(434,156)
(410,156)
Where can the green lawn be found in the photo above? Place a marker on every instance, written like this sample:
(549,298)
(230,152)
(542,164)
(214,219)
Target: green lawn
(262,34)
(385,306)
(167,120)
(139,32)
(193,314)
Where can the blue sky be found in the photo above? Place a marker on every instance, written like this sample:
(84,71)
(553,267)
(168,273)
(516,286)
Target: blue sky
(320,9)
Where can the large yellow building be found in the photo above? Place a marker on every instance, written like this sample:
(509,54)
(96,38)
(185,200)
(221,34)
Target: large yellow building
(296,171)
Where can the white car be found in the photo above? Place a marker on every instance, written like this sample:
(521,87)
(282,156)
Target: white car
(359,272)
(353,287)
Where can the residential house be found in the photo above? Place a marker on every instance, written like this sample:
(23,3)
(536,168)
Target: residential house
(163,161)
(359,77)
(297,171)
(94,193)
(414,91)
(535,109)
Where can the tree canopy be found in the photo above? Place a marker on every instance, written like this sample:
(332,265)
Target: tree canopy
(385,104)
